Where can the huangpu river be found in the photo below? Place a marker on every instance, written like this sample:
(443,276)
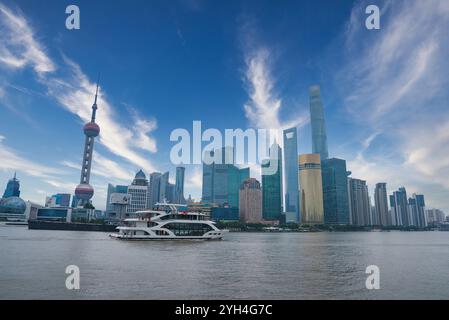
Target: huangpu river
(412,265)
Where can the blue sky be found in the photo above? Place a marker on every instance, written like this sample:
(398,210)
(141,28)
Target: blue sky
(230,64)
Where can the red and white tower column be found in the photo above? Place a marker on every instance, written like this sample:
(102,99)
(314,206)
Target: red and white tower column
(84,191)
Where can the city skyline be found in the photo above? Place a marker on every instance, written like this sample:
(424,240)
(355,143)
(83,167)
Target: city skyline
(363,122)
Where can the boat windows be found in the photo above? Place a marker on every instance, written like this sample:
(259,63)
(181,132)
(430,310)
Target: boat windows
(179,217)
(188,229)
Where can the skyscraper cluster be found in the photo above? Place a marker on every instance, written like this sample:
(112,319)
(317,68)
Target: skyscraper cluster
(222,179)
(318,189)
(143,194)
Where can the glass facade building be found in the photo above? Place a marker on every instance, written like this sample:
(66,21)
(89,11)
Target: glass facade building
(114,189)
(399,208)
(319,136)
(272,185)
(291,204)
(12,188)
(335,191)
(225,214)
(417,211)
(154,189)
(179,185)
(222,179)
(54,214)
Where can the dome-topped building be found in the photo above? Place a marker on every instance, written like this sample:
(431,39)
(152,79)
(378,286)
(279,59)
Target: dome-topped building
(140,179)
(12,205)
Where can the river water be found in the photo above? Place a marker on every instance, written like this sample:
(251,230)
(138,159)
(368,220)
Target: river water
(413,265)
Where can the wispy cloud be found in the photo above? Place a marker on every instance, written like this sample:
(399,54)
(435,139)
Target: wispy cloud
(263,108)
(395,81)
(18,47)
(104,167)
(74,91)
(11,159)
(195,179)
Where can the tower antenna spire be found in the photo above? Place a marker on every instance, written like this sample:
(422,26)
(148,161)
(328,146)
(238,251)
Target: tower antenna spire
(94,106)
(96,92)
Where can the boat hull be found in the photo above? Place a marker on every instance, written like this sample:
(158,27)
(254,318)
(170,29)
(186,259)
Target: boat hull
(164,238)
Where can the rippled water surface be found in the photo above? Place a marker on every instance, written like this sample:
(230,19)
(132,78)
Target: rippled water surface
(413,265)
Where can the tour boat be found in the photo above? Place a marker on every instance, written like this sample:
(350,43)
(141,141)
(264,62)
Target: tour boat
(168,222)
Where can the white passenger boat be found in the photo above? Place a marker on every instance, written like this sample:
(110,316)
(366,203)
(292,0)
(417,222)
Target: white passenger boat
(168,222)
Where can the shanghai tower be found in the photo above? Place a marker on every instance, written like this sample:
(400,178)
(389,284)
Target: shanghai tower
(84,191)
(319,137)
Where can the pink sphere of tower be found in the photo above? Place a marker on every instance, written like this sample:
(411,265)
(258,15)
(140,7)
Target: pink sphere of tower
(84,191)
(91,129)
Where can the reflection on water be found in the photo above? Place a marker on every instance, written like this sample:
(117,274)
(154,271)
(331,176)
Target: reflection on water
(323,265)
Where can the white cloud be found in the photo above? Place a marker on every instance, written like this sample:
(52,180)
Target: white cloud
(263,109)
(396,83)
(104,167)
(142,128)
(195,179)
(18,47)
(72,89)
(62,186)
(11,160)
(75,91)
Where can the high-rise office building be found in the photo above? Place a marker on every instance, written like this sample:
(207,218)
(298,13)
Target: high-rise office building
(335,191)
(118,200)
(318,124)
(154,189)
(399,208)
(166,189)
(417,211)
(434,217)
(164,192)
(138,191)
(359,203)
(250,201)
(291,204)
(272,184)
(375,220)
(58,200)
(311,189)
(381,204)
(222,179)
(113,190)
(179,185)
(12,188)
(84,191)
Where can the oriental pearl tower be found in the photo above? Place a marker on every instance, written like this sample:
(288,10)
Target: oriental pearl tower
(84,191)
